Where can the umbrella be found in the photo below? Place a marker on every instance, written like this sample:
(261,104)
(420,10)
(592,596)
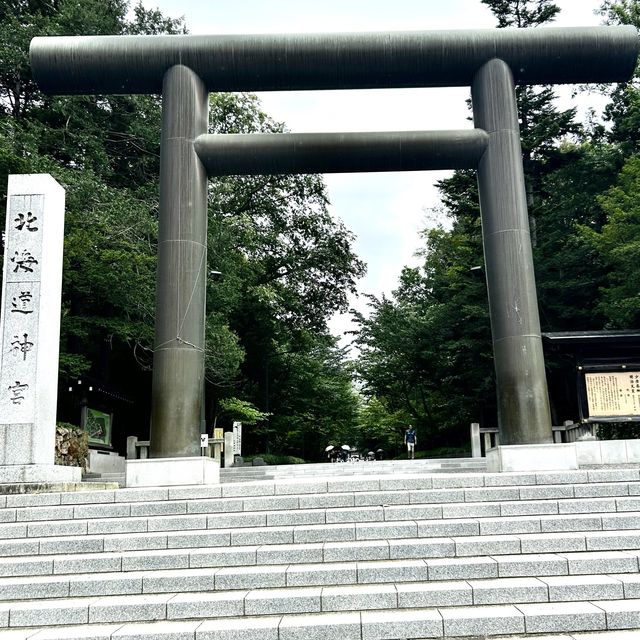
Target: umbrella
(346,447)
(329,448)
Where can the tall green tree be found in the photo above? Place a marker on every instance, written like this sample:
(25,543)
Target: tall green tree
(427,353)
(285,265)
(617,245)
(623,111)
(441,307)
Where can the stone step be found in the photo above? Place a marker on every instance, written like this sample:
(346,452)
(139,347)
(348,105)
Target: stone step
(248,474)
(311,526)
(599,496)
(529,484)
(373,467)
(173,615)
(401,538)
(390,557)
(117,479)
(25,522)
(565,577)
(323,528)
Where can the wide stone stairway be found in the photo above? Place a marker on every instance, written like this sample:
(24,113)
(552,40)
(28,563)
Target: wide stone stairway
(418,553)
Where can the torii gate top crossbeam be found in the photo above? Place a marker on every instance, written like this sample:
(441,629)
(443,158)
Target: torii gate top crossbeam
(137,64)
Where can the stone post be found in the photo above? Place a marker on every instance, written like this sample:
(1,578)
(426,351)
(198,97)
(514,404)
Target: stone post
(228,449)
(476,448)
(131,447)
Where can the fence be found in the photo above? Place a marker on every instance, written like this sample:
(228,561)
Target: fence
(484,438)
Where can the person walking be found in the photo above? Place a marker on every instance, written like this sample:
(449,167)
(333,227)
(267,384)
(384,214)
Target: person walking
(410,439)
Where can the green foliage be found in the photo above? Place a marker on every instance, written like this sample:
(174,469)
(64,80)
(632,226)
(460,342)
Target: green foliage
(427,350)
(522,13)
(273,459)
(621,12)
(312,387)
(623,111)
(618,431)
(617,245)
(285,264)
(427,354)
(241,410)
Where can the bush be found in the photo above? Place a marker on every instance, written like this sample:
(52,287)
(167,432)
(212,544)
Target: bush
(273,459)
(618,430)
(72,445)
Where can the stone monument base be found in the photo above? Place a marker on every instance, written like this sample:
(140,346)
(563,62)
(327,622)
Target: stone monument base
(532,457)
(38,473)
(163,472)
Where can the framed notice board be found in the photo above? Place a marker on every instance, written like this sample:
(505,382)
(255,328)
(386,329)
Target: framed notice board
(609,393)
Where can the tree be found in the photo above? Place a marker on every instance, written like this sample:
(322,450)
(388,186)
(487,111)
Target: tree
(522,13)
(242,410)
(427,353)
(623,111)
(617,245)
(569,272)
(380,429)
(435,331)
(286,265)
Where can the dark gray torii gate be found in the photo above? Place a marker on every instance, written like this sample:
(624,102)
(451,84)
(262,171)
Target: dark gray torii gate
(185,68)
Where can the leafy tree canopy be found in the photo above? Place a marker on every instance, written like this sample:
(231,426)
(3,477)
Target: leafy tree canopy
(285,264)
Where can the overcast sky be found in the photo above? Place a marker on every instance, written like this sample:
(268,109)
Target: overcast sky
(385,211)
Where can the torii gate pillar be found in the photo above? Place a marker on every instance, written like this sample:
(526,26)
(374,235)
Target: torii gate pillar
(523,402)
(178,358)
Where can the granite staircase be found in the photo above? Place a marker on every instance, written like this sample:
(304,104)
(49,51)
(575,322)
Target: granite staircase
(359,468)
(363,557)
(250,473)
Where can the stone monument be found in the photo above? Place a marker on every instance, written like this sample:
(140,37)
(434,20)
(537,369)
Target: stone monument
(30,331)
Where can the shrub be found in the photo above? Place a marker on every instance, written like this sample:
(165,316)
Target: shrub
(272,459)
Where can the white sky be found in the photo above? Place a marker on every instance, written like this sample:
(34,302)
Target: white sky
(386,211)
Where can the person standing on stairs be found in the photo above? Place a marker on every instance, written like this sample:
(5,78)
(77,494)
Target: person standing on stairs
(410,439)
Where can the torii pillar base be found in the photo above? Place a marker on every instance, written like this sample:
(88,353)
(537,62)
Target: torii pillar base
(171,472)
(533,457)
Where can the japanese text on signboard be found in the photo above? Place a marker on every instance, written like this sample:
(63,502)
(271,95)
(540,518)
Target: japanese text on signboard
(611,394)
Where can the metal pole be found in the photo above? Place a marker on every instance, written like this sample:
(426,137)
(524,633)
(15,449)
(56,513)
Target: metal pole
(523,403)
(178,363)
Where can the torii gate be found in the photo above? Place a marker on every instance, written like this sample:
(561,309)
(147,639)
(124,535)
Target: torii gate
(186,68)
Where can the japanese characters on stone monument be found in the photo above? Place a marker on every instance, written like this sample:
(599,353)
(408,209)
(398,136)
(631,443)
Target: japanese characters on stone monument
(30,330)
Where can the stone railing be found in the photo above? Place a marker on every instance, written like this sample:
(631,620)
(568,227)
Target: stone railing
(485,438)
(139,449)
